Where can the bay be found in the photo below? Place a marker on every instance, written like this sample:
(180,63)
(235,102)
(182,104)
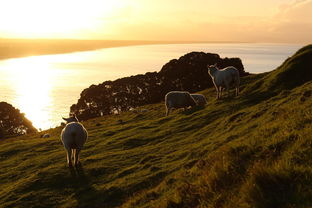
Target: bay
(44,87)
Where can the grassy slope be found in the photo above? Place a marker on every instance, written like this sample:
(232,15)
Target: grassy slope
(251,151)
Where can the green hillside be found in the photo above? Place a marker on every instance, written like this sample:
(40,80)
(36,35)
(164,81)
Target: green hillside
(254,150)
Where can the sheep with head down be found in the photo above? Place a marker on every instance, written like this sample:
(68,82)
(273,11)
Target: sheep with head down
(73,137)
(200,99)
(178,99)
(224,78)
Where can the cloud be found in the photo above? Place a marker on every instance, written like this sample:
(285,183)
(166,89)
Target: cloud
(300,10)
(293,22)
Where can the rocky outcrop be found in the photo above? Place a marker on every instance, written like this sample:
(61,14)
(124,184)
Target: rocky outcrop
(188,73)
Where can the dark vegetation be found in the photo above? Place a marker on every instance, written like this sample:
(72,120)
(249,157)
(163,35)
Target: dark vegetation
(13,122)
(189,73)
(251,151)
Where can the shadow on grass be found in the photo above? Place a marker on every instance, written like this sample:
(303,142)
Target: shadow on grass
(88,196)
(192,110)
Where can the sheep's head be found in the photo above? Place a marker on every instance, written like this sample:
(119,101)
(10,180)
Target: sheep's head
(72,118)
(191,100)
(212,69)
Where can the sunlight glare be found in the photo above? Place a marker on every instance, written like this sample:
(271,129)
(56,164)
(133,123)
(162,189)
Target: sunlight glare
(32,82)
(51,19)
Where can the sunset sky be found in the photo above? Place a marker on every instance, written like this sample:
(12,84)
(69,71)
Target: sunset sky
(287,21)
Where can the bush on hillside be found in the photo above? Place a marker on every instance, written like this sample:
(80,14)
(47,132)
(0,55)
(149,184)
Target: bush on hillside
(13,122)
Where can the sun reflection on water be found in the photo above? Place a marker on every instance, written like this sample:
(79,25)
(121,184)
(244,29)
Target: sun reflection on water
(31,79)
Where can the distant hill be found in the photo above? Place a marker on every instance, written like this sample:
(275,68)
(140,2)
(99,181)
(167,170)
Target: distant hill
(15,48)
(254,150)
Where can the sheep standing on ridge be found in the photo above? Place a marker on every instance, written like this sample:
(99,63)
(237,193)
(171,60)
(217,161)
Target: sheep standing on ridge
(200,99)
(178,99)
(224,78)
(73,137)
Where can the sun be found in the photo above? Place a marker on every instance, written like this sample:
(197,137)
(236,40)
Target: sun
(53,18)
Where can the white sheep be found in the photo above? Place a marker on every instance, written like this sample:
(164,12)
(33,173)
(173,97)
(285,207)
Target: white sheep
(178,99)
(200,99)
(137,110)
(45,135)
(224,78)
(73,137)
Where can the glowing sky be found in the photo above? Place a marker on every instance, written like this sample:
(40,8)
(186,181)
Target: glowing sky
(200,20)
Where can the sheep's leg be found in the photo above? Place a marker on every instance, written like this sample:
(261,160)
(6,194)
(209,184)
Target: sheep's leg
(73,154)
(76,159)
(167,111)
(217,89)
(220,92)
(237,90)
(69,157)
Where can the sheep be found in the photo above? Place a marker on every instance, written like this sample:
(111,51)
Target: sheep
(224,78)
(200,99)
(137,110)
(144,110)
(73,137)
(45,135)
(178,99)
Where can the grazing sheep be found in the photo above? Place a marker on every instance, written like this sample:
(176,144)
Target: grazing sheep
(73,137)
(137,110)
(45,136)
(200,99)
(224,78)
(178,99)
(133,110)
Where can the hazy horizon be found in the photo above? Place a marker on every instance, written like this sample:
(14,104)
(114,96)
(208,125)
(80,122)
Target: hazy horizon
(280,21)
(150,41)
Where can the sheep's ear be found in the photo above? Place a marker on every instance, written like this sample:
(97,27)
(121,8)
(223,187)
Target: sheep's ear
(75,117)
(66,119)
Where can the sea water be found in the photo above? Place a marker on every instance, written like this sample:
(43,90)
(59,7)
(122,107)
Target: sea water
(44,87)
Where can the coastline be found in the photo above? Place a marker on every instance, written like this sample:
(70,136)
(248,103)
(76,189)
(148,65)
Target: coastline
(18,48)
(159,55)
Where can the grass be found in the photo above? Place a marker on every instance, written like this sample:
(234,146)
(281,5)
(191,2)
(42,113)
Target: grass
(254,150)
